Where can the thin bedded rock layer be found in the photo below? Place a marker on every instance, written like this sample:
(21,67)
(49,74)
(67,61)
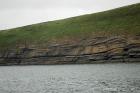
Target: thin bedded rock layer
(89,50)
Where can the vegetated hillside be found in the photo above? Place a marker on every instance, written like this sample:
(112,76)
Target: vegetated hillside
(117,21)
(76,36)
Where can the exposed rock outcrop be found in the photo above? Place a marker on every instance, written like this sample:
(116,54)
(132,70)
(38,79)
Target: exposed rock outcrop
(90,50)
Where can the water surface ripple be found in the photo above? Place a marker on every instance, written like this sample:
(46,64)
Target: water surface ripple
(88,78)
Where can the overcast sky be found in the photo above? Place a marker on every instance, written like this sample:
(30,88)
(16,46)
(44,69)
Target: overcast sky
(15,13)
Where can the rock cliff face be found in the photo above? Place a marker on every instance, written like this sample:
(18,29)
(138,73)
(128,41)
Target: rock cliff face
(108,36)
(89,50)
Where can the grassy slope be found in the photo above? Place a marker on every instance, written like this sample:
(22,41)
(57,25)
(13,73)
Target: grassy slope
(125,20)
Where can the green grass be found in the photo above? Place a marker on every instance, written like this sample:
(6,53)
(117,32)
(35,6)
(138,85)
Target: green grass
(124,20)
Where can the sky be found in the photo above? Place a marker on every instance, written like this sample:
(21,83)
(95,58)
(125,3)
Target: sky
(16,13)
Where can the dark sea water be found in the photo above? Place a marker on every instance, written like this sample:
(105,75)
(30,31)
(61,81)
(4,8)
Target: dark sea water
(88,78)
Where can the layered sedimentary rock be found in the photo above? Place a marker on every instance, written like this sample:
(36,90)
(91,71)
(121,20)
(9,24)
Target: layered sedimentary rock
(89,50)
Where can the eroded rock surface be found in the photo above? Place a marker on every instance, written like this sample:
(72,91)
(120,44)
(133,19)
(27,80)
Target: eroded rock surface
(91,50)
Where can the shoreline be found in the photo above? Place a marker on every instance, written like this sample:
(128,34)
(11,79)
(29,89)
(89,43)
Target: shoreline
(92,62)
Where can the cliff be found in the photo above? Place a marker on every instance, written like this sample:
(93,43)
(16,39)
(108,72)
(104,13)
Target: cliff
(110,36)
(93,50)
